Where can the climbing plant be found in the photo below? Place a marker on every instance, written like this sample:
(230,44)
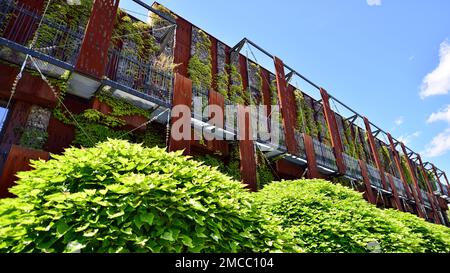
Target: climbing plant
(237,92)
(264,174)
(60,12)
(200,64)
(137,35)
(223,81)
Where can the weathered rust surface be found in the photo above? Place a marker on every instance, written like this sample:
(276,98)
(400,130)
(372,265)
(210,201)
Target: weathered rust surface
(313,171)
(287,104)
(288,170)
(132,122)
(93,56)
(247,151)
(182,95)
(433,199)
(30,88)
(18,160)
(419,199)
(182,52)
(365,174)
(375,154)
(220,146)
(336,140)
(398,165)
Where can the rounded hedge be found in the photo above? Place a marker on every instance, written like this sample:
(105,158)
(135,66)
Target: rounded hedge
(121,197)
(331,218)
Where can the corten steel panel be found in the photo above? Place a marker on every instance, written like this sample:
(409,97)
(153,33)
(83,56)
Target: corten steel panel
(93,56)
(313,171)
(433,199)
(288,170)
(60,135)
(132,122)
(214,61)
(365,174)
(416,183)
(287,104)
(333,131)
(215,98)
(244,72)
(30,88)
(18,160)
(182,95)
(23,34)
(247,150)
(375,155)
(182,52)
(398,164)
(397,201)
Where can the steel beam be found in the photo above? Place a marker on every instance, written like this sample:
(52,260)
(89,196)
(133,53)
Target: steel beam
(365,174)
(333,130)
(375,155)
(433,200)
(398,164)
(419,204)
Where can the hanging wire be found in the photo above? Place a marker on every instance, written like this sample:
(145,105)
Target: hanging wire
(145,123)
(268,163)
(19,75)
(60,101)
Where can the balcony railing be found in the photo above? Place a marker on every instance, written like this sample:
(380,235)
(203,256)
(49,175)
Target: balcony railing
(300,144)
(374,177)
(425,197)
(353,169)
(139,78)
(57,42)
(324,155)
(399,186)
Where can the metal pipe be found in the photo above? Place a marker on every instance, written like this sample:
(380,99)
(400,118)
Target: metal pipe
(160,14)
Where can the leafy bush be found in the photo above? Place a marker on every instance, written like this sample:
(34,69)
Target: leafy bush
(121,197)
(332,218)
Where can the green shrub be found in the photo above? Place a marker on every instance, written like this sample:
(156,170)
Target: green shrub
(121,197)
(332,218)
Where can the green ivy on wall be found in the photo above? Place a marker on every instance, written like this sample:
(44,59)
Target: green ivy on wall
(60,12)
(405,168)
(200,70)
(33,138)
(223,81)
(137,32)
(258,85)
(264,175)
(237,92)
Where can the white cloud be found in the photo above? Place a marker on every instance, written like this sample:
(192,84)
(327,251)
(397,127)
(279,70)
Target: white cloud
(438,81)
(374,2)
(442,115)
(399,121)
(439,145)
(407,139)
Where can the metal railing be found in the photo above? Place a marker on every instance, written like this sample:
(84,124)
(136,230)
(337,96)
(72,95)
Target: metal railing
(400,187)
(425,197)
(139,76)
(56,38)
(374,177)
(300,144)
(324,155)
(198,111)
(353,169)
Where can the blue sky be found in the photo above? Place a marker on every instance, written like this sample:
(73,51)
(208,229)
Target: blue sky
(387,59)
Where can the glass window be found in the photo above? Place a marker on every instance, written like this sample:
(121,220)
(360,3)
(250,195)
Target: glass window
(3,115)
